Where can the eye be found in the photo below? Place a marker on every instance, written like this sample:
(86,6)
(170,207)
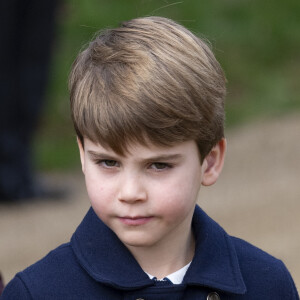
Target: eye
(108,163)
(160,166)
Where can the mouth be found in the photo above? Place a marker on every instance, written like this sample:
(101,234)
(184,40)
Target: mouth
(135,221)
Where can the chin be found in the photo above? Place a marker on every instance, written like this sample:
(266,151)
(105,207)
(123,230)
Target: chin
(137,241)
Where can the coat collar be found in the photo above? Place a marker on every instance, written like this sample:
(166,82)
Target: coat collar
(107,260)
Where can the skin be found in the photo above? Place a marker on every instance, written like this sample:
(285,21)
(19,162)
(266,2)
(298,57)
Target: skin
(148,197)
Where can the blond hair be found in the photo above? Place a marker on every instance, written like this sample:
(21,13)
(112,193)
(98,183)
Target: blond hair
(149,80)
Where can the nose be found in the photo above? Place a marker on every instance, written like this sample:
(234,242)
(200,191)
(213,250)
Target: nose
(132,189)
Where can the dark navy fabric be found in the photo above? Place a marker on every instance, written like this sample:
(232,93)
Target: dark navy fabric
(96,265)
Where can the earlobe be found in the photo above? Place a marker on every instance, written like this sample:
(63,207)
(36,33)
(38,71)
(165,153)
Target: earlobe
(81,152)
(213,163)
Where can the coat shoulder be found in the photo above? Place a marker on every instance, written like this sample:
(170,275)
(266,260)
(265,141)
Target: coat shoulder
(57,271)
(54,263)
(262,271)
(248,253)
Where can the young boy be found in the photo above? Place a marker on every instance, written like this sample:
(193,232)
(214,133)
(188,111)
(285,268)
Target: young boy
(147,102)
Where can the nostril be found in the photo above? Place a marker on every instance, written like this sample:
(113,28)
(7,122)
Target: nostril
(132,195)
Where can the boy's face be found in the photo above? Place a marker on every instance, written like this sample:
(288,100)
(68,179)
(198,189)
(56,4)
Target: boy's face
(148,196)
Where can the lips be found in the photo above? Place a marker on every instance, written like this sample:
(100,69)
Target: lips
(135,221)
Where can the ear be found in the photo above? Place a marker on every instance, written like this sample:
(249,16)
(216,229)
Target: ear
(213,163)
(81,152)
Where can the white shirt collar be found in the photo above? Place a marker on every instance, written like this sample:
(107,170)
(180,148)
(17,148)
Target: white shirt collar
(175,277)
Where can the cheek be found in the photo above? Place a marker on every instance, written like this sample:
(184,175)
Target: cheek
(178,200)
(99,191)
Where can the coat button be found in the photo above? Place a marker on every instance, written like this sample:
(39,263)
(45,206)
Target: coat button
(213,296)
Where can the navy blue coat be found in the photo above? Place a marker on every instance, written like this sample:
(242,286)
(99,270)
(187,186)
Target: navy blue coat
(96,265)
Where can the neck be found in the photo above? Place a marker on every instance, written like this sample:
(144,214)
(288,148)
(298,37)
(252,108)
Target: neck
(166,257)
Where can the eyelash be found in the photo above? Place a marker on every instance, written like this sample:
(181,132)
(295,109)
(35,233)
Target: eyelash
(153,166)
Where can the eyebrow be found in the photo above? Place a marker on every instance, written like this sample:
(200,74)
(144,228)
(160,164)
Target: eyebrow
(99,155)
(163,157)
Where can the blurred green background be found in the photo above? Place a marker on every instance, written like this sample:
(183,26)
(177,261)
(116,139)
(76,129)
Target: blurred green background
(257,43)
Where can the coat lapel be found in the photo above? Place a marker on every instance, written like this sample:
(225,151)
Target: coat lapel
(107,260)
(215,263)
(104,257)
